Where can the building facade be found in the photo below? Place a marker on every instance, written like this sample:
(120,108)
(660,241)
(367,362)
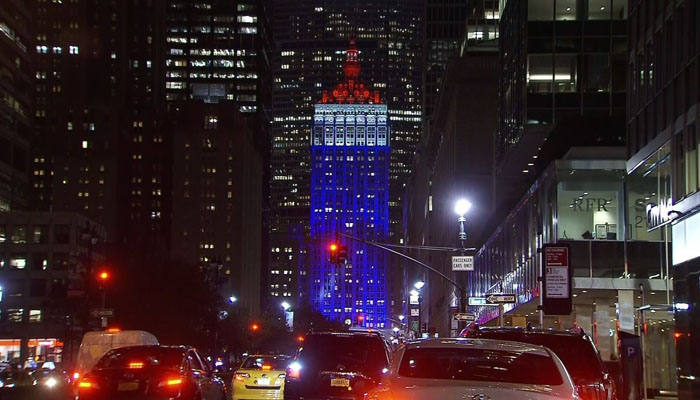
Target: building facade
(310,39)
(16,111)
(217,197)
(350,157)
(46,262)
(562,62)
(663,156)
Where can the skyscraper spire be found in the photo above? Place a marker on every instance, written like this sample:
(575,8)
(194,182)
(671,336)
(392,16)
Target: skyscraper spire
(352,65)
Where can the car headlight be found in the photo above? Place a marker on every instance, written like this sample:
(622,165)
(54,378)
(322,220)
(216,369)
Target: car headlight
(51,382)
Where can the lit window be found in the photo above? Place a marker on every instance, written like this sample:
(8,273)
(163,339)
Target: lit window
(85,144)
(73,50)
(35,316)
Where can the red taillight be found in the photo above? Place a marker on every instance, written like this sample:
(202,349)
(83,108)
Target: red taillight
(86,384)
(595,391)
(241,376)
(170,383)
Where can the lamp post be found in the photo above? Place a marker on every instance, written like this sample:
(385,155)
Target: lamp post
(416,293)
(288,315)
(461,208)
(103,277)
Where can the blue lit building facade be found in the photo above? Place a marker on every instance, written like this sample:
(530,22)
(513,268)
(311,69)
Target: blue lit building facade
(350,157)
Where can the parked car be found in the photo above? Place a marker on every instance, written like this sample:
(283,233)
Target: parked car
(153,372)
(474,369)
(14,378)
(260,377)
(574,348)
(337,365)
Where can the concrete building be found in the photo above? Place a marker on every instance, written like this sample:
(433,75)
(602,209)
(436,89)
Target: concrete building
(16,110)
(217,197)
(663,157)
(47,261)
(455,162)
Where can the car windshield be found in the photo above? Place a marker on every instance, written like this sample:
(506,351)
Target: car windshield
(272,363)
(577,354)
(480,365)
(362,353)
(141,357)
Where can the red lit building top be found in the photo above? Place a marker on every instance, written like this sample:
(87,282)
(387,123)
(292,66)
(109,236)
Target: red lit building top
(351,91)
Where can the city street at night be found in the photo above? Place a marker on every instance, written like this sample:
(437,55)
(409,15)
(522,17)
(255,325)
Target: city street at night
(349,200)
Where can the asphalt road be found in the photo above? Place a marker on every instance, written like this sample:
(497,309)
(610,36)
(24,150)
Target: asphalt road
(35,393)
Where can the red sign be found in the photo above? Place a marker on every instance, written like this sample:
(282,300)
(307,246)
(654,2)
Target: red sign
(556,282)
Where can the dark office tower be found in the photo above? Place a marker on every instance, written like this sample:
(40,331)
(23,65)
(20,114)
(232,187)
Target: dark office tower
(562,78)
(663,180)
(217,196)
(76,90)
(311,38)
(16,112)
(216,50)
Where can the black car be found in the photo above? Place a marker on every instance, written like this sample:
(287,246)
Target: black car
(337,365)
(575,349)
(151,372)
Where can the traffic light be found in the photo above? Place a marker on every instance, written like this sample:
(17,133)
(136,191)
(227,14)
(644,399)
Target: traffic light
(360,320)
(103,276)
(333,249)
(254,327)
(343,255)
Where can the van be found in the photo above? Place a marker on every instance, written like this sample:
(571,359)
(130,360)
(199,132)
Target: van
(96,344)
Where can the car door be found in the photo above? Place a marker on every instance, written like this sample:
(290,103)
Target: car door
(199,374)
(210,389)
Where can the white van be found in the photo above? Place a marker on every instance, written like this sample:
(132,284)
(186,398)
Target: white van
(96,344)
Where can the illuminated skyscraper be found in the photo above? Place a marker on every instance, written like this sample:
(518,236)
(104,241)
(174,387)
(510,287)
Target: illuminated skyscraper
(310,39)
(350,157)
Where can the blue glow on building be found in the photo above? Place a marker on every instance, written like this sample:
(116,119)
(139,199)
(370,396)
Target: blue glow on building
(350,157)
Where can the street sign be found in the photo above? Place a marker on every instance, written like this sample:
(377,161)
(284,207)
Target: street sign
(101,313)
(415,312)
(556,283)
(465,317)
(501,299)
(462,263)
(479,301)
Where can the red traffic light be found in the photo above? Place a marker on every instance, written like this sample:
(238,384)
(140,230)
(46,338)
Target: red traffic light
(300,338)
(254,327)
(333,247)
(104,275)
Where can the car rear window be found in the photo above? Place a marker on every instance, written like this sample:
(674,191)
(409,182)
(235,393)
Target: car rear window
(480,365)
(363,353)
(274,363)
(577,354)
(141,357)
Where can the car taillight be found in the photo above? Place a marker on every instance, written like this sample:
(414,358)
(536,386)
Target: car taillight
(294,371)
(241,376)
(135,365)
(593,391)
(170,383)
(87,384)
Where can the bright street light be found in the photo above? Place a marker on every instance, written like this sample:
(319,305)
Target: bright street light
(419,285)
(401,318)
(462,207)
(396,330)
(286,306)
(232,299)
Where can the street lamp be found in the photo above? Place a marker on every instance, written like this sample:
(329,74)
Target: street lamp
(419,285)
(285,306)
(462,207)
(401,317)
(232,299)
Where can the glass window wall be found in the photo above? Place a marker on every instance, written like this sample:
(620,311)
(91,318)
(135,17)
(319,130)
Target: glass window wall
(540,10)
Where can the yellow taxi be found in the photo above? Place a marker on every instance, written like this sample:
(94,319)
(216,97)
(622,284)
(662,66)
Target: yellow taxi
(260,377)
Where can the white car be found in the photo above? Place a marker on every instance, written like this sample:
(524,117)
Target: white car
(474,369)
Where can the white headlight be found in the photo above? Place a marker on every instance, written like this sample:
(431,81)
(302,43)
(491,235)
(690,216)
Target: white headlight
(51,382)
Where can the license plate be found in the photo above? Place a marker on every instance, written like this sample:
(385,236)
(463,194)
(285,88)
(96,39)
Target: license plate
(264,381)
(340,382)
(128,386)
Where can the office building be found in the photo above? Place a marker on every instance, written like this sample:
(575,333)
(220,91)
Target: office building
(46,262)
(663,156)
(217,196)
(562,65)
(310,40)
(16,112)
(350,158)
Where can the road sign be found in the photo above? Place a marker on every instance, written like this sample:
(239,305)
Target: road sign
(465,317)
(479,301)
(501,299)
(556,283)
(415,312)
(462,263)
(101,313)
